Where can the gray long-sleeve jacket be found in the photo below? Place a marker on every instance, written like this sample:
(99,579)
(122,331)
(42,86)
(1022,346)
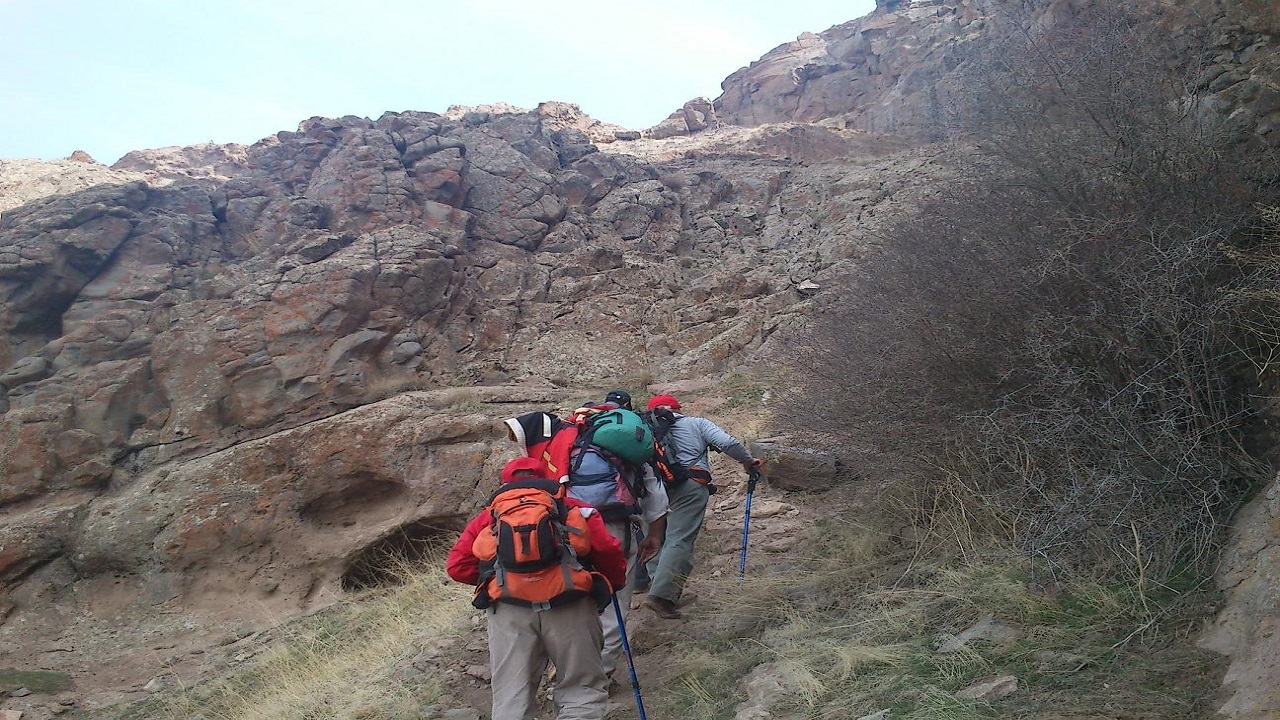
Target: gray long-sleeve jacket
(690,437)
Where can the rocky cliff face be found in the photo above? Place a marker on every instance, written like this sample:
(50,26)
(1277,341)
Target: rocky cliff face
(1245,629)
(23,181)
(355,258)
(893,70)
(232,375)
(195,371)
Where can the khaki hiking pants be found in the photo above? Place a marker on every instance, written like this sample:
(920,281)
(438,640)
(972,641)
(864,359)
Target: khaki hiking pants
(625,533)
(522,640)
(671,569)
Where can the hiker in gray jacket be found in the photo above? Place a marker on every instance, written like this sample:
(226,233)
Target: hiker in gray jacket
(689,440)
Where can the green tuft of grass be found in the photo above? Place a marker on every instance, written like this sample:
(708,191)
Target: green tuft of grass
(37,681)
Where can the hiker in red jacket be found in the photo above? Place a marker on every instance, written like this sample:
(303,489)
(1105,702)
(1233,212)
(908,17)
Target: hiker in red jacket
(523,636)
(555,441)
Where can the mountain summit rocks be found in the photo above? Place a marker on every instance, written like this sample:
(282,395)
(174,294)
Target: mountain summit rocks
(890,72)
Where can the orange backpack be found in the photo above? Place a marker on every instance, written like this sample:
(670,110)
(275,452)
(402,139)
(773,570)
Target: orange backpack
(530,553)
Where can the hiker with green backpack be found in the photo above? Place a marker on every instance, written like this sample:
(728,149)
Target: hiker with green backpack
(650,516)
(685,441)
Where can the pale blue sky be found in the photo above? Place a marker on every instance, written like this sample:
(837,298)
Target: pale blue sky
(110,76)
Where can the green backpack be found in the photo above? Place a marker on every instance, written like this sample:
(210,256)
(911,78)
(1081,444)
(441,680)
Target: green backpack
(621,432)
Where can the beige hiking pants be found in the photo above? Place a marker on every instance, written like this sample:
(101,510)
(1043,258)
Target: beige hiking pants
(624,532)
(521,641)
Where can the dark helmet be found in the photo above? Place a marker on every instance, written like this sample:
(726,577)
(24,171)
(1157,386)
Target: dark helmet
(621,397)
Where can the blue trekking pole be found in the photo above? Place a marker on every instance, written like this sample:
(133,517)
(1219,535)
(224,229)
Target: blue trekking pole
(753,477)
(631,663)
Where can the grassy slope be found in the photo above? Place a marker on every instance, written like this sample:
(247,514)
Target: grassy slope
(848,624)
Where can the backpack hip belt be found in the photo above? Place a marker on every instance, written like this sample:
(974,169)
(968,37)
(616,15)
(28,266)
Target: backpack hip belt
(702,476)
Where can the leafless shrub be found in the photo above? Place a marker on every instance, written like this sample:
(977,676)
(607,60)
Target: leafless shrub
(1074,335)
(1130,431)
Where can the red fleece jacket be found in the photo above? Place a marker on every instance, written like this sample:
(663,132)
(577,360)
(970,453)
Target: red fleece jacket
(606,554)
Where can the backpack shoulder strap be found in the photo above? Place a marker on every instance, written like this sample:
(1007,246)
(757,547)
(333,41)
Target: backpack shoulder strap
(660,421)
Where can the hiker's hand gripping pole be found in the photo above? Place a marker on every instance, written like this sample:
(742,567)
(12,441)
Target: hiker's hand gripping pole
(753,477)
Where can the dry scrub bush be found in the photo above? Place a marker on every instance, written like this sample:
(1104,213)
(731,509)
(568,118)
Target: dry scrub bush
(1068,344)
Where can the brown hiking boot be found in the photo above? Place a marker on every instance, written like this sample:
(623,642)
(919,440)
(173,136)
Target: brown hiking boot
(662,607)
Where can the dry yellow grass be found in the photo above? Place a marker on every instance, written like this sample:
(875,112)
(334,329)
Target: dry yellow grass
(851,625)
(346,663)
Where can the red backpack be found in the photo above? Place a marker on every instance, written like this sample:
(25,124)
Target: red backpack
(556,442)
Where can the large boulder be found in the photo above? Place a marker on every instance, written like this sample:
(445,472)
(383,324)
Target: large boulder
(1247,629)
(281,520)
(795,467)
